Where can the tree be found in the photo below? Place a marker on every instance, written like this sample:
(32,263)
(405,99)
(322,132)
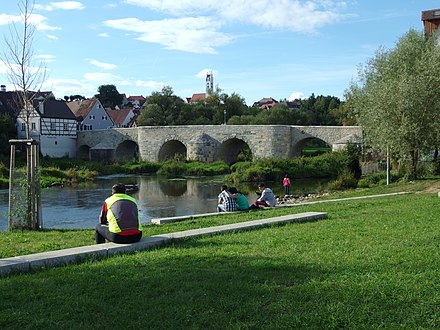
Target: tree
(396,99)
(23,72)
(162,108)
(25,76)
(109,96)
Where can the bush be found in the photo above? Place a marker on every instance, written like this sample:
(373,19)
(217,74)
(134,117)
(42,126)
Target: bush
(172,169)
(328,165)
(345,181)
(140,167)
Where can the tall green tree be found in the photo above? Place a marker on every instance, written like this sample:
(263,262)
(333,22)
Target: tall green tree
(396,98)
(162,108)
(109,96)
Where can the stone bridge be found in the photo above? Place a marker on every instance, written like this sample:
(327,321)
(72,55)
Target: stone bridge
(209,143)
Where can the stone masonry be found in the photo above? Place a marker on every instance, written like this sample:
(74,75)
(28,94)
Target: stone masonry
(208,143)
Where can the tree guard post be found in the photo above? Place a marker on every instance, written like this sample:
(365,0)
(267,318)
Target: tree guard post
(31,217)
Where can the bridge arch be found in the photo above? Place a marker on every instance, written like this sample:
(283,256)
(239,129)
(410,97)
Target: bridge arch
(230,149)
(127,150)
(172,148)
(309,141)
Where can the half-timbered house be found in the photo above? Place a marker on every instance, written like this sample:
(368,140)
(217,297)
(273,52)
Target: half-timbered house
(53,124)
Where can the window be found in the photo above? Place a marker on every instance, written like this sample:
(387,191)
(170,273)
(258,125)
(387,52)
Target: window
(23,127)
(104,118)
(34,126)
(92,117)
(53,126)
(65,126)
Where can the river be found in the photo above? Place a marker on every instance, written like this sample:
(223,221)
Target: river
(79,207)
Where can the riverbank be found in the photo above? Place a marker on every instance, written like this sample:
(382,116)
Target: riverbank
(372,264)
(26,242)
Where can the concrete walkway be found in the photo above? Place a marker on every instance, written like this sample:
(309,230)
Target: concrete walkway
(32,262)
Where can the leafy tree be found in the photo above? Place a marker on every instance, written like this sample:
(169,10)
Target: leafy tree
(343,115)
(396,98)
(74,97)
(162,108)
(151,115)
(109,96)
(234,105)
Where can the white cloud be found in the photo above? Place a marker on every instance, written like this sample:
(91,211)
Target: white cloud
(62,87)
(104,35)
(294,15)
(62,5)
(7,19)
(39,21)
(296,95)
(52,37)
(102,65)
(190,34)
(149,84)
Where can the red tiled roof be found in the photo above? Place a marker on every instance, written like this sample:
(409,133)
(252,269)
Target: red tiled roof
(198,97)
(136,98)
(118,116)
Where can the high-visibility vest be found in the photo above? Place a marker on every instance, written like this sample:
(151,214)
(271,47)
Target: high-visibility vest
(122,213)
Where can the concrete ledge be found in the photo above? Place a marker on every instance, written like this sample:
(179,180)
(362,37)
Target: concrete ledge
(248,225)
(32,262)
(161,221)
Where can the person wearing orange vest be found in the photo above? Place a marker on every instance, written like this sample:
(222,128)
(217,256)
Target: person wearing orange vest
(119,221)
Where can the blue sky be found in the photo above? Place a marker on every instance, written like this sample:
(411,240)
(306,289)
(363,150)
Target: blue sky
(255,48)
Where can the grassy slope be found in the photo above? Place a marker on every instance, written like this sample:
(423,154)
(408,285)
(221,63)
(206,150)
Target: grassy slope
(372,264)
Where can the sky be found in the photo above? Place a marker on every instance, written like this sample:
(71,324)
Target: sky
(284,49)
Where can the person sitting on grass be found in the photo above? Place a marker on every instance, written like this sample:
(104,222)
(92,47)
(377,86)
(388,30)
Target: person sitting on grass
(267,198)
(226,202)
(119,221)
(242,202)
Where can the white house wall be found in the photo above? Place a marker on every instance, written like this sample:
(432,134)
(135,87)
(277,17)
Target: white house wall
(58,146)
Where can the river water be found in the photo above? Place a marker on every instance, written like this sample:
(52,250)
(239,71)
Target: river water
(79,207)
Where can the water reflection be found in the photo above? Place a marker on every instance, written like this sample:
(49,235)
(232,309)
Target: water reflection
(79,207)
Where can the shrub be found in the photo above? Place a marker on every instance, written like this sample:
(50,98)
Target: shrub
(172,169)
(345,181)
(140,167)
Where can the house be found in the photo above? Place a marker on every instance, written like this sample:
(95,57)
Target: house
(198,97)
(265,103)
(51,123)
(122,117)
(90,114)
(269,102)
(136,102)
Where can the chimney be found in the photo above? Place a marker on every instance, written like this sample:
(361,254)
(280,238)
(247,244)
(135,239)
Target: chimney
(3,88)
(41,107)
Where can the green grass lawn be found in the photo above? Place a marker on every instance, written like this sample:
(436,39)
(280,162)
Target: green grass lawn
(372,264)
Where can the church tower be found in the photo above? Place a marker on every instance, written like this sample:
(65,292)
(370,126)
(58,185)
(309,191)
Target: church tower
(209,82)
